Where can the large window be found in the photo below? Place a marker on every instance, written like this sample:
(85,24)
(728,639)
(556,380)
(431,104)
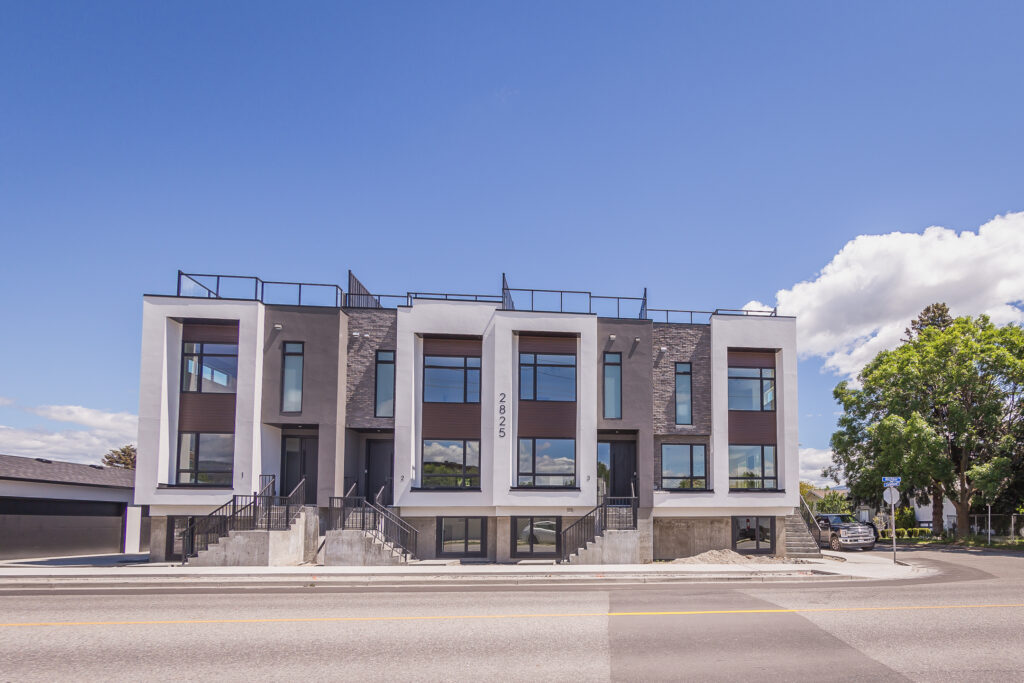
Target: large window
(209,368)
(547,463)
(451,379)
(684,398)
(547,377)
(684,466)
(751,389)
(461,536)
(612,386)
(753,534)
(533,536)
(384,387)
(752,467)
(291,379)
(206,459)
(451,464)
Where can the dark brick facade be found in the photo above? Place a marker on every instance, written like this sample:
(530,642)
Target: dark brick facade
(377,330)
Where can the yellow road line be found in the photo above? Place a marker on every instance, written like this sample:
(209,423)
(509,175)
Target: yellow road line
(453,617)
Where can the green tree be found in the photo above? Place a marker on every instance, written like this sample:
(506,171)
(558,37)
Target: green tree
(121,457)
(943,410)
(805,486)
(833,503)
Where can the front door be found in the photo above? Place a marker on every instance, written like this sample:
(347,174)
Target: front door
(300,460)
(380,465)
(616,468)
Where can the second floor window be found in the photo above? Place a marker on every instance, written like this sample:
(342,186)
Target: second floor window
(684,395)
(612,386)
(451,379)
(752,467)
(547,377)
(205,459)
(384,396)
(209,368)
(291,378)
(451,464)
(751,388)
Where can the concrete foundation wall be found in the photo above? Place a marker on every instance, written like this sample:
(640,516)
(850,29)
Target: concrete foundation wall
(355,548)
(310,533)
(687,536)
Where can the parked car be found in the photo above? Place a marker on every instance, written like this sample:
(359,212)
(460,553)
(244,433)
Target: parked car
(844,532)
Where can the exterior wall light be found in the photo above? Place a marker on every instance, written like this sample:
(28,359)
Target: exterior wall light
(355,334)
(664,349)
(611,337)
(278,326)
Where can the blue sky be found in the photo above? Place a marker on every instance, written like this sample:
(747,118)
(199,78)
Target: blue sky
(716,153)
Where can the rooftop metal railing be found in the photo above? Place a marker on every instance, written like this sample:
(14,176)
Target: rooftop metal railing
(250,288)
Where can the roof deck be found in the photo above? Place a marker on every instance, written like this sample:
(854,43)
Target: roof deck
(251,288)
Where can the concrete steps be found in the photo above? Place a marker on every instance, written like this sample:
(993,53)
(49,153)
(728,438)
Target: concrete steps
(614,546)
(799,541)
(257,548)
(353,547)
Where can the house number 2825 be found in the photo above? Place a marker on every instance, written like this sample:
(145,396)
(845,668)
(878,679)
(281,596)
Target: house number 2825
(502,410)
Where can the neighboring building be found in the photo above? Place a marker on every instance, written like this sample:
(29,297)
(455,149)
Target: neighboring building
(489,423)
(50,508)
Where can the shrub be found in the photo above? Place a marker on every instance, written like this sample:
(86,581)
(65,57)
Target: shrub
(905,518)
(901,533)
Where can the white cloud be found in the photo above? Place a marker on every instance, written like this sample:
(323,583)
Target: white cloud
(4,401)
(863,300)
(102,432)
(812,462)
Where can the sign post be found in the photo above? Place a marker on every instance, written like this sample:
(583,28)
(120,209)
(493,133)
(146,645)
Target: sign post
(891,496)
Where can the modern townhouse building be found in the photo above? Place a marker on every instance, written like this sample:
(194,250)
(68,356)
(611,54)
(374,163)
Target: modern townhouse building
(525,424)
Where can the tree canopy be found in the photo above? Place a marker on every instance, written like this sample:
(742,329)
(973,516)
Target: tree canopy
(121,457)
(943,410)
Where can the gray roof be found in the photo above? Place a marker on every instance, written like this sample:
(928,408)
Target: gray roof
(57,472)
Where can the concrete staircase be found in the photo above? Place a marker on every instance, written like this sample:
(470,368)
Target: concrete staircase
(614,546)
(257,548)
(353,547)
(799,541)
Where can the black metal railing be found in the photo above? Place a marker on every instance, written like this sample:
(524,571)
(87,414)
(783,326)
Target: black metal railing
(613,513)
(807,514)
(251,288)
(352,512)
(262,511)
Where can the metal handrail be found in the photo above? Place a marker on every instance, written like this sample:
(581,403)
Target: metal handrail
(808,516)
(258,287)
(357,513)
(584,530)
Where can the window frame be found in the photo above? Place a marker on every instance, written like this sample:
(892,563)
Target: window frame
(762,380)
(195,472)
(377,362)
(513,536)
(285,354)
(199,364)
(607,365)
(688,374)
(439,540)
(533,372)
(533,462)
(706,476)
(762,478)
(759,549)
(424,477)
(465,377)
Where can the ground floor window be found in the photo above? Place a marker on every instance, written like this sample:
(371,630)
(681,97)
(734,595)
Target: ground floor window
(205,459)
(753,534)
(536,536)
(461,536)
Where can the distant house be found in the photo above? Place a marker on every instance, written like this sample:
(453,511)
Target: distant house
(50,508)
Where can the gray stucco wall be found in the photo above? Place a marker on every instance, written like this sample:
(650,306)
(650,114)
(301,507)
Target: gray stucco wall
(637,401)
(323,376)
(377,330)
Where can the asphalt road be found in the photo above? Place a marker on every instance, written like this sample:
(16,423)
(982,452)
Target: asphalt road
(966,623)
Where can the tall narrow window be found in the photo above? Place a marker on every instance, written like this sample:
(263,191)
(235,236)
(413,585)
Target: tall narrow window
(384,401)
(209,368)
(612,386)
(684,402)
(291,382)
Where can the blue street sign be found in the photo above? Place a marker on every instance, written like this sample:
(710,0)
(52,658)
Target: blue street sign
(891,480)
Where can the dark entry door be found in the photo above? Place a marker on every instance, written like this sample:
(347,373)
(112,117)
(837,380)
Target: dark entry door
(300,460)
(617,467)
(380,466)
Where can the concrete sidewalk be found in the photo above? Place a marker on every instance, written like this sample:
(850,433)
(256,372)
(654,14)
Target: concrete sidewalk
(834,566)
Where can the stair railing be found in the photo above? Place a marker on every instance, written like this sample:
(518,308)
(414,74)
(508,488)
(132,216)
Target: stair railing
(812,523)
(356,513)
(584,530)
